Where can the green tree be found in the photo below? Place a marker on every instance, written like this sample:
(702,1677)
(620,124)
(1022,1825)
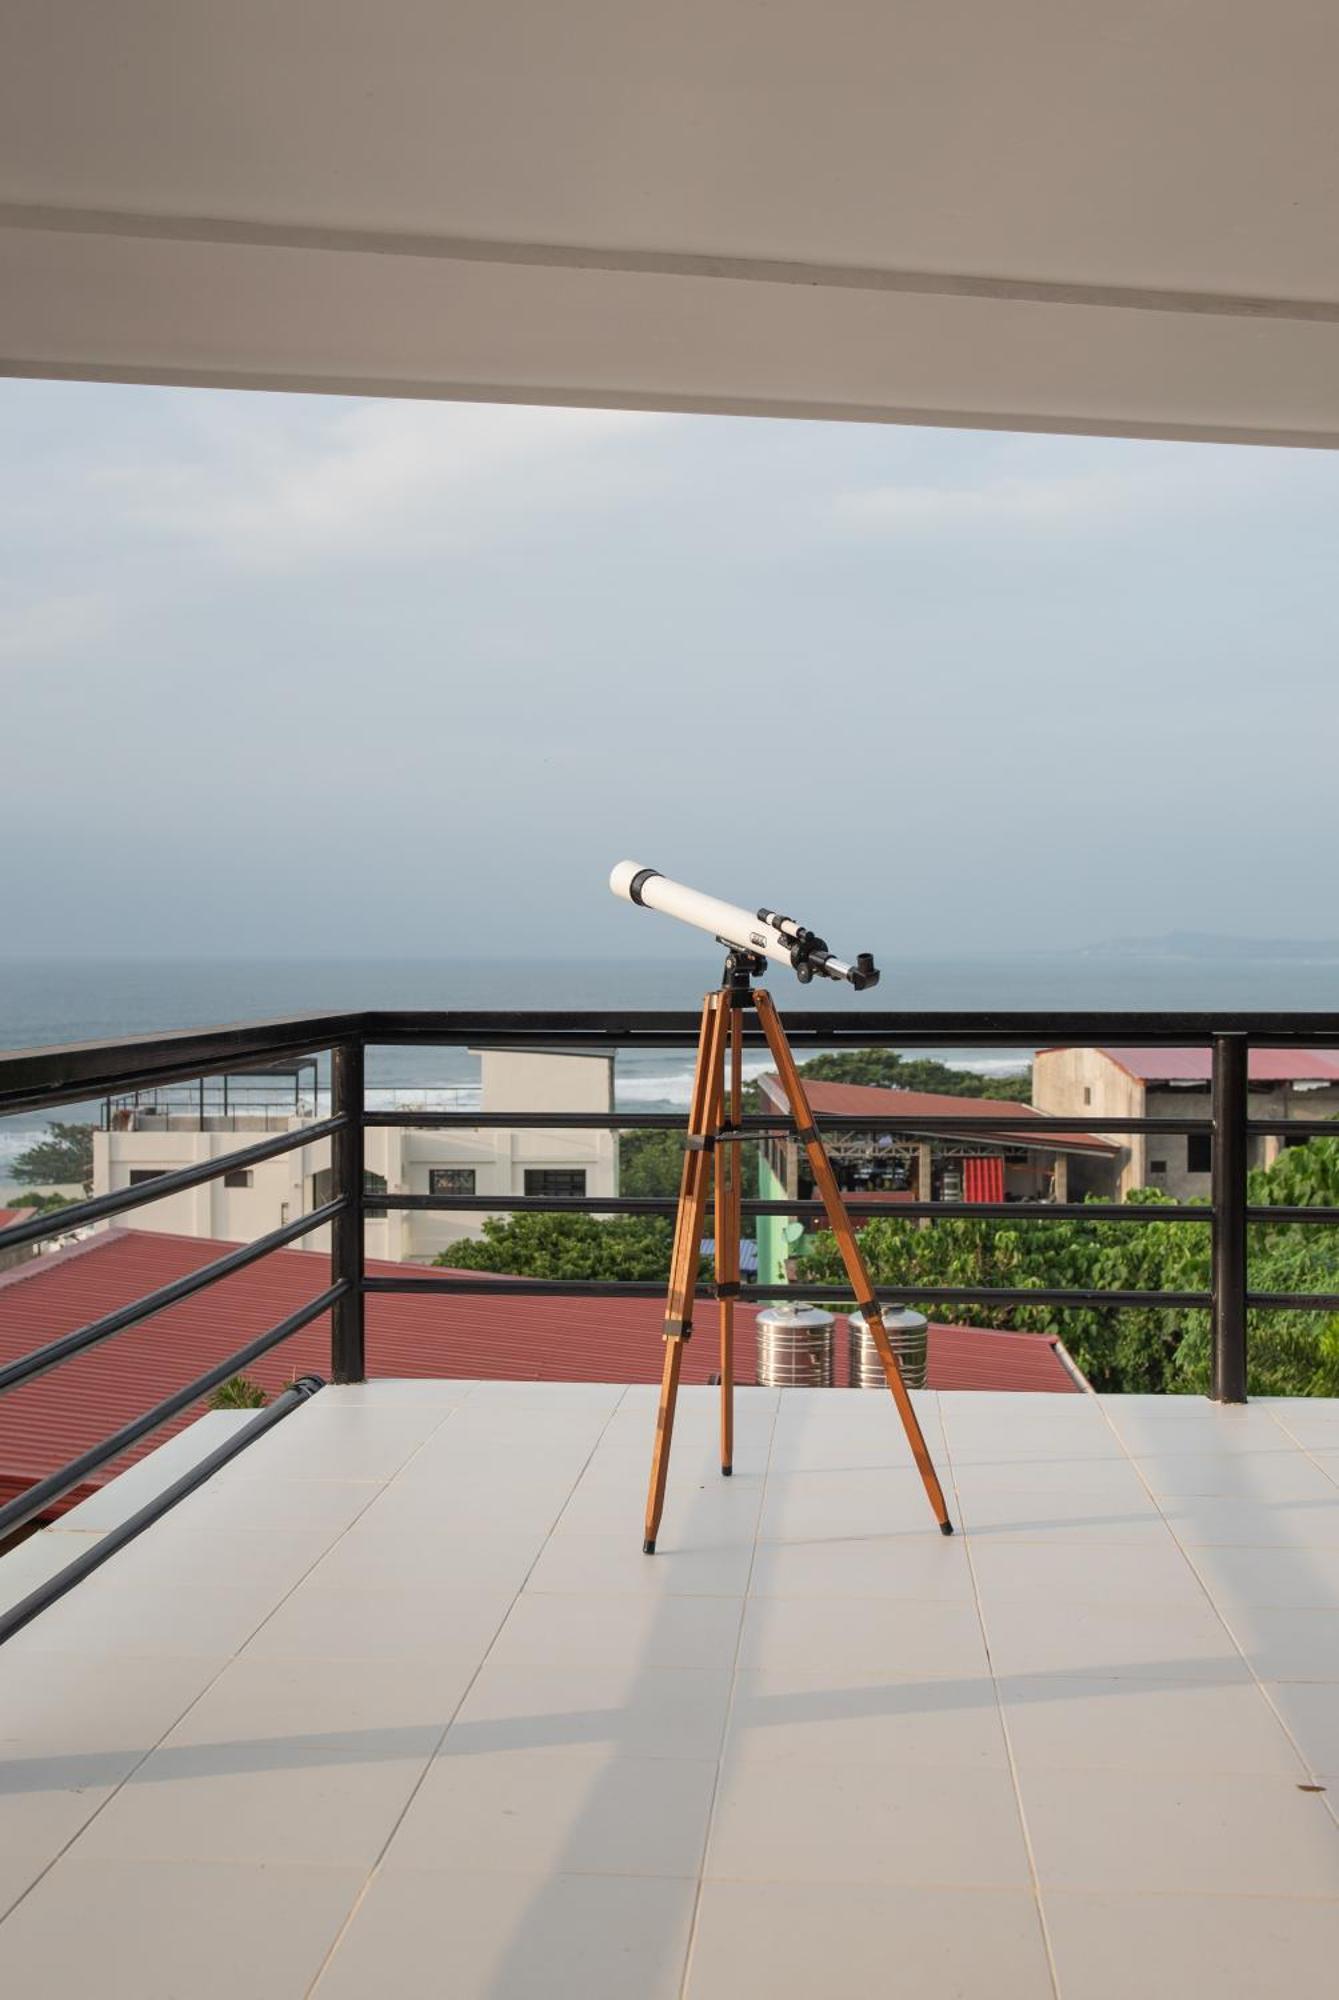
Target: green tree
(890,1071)
(568,1246)
(65,1155)
(1159,1349)
(45,1204)
(651,1163)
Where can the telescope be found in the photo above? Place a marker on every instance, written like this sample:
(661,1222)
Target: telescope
(757,934)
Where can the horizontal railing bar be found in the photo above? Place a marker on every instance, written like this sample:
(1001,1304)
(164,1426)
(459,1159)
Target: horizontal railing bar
(1015,1028)
(106,1546)
(1021,1128)
(645,1289)
(80,1213)
(67,1073)
(30,1077)
(1264,1212)
(960,1211)
(1326,1302)
(42,1358)
(35,1499)
(1289,1128)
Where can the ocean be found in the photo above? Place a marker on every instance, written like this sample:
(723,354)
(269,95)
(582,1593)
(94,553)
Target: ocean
(43,1001)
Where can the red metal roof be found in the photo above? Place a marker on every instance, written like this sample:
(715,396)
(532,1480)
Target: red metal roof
(1196,1065)
(865,1100)
(9,1215)
(45,1423)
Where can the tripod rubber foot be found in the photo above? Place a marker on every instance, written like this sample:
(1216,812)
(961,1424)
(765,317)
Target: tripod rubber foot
(726,1471)
(946,1527)
(649,1546)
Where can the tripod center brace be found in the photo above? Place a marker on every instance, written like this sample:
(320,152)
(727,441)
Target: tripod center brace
(714,1133)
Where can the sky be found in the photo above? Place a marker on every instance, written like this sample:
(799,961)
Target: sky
(290,676)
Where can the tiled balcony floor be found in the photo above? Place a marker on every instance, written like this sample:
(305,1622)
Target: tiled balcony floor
(396,1706)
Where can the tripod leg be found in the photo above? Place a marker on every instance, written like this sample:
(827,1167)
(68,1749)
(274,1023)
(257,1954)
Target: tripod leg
(702,1121)
(729,1178)
(840,1223)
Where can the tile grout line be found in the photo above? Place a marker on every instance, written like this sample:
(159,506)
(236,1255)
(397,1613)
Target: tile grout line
(379,1487)
(374,1870)
(1038,1902)
(695,1918)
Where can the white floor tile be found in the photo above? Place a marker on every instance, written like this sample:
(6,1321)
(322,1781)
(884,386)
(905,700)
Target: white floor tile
(579,1810)
(794,1941)
(641,1711)
(1240,1475)
(1310,1712)
(1110,1641)
(421,1934)
(803,1506)
(324,1621)
(921,1565)
(1288,1645)
(898,1639)
(1276,1576)
(1213,1521)
(1180,1833)
(1060,1572)
(593,1629)
(1073,1722)
(898,1825)
(1108,1947)
(573,1563)
(837,1715)
(173,1931)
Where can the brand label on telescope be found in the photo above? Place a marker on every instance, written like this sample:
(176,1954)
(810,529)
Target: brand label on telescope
(756,937)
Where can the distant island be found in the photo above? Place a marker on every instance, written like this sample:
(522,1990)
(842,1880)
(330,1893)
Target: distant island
(1211,945)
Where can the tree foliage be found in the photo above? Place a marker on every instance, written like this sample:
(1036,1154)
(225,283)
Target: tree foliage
(1153,1348)
(64,1156)
(568,1246)
(890,1071)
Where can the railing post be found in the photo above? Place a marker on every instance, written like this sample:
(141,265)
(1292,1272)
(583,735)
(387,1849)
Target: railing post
(1230,1072)
(346,1232)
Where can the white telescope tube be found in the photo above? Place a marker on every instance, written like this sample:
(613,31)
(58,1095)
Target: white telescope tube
(746,930)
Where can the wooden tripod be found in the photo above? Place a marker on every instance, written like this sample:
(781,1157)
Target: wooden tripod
(714,1133)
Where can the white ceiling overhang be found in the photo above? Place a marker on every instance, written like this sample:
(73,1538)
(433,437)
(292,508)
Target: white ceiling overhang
(1047,215)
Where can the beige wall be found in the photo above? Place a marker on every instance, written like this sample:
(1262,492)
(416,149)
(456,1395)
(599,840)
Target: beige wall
(1074,1083)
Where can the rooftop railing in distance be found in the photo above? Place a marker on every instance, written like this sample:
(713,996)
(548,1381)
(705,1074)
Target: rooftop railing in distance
(37,1080)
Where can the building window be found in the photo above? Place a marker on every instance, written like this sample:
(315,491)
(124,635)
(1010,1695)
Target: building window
(1087,1093)
(451,1180)
(239,1177)
(1199,1153)
(138,1175)
(555,1183)
(323,1185)
(1157,1166)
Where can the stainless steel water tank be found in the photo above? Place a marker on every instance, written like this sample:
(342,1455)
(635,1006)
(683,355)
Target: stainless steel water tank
(908,1337)
(795,1347)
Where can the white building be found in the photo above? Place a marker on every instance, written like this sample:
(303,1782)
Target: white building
(158,1134)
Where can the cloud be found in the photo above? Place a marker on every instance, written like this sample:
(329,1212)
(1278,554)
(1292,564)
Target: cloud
(41,627)
(1039,499)
(280,487)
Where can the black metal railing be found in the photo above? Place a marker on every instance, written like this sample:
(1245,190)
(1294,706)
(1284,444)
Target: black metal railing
(46,1079)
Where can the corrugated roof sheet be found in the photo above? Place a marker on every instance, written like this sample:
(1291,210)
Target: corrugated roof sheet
(45,1423)
(870,1100)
